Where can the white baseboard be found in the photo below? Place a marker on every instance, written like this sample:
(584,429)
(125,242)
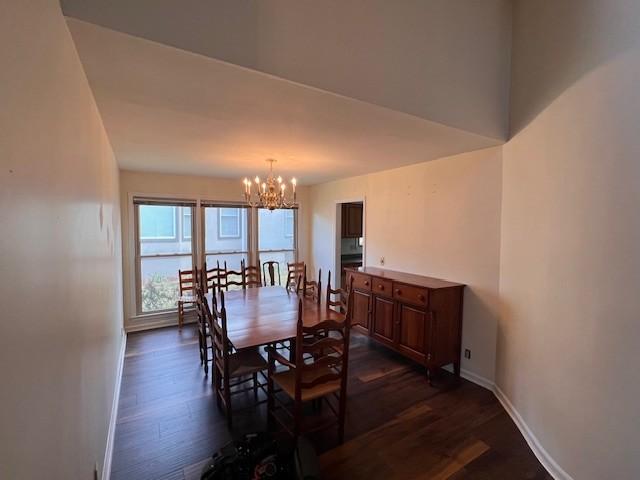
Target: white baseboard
(536,447)
(543,456)
(108,454)
(477,379)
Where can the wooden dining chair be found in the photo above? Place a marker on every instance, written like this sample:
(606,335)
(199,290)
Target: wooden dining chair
(241,366)
(294,271)
(310,289)
(214,276)
(336,298)
(234,278)
(318,373)
(269,270)
(204,332)
(251,276)
(186,292)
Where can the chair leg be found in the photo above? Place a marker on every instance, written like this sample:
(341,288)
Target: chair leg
(227,400)
(180,315)
(200,345)
(270,401)
(218,383)
(255,386)
(205,354)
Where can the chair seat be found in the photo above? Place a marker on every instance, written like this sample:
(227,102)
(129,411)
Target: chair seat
(287,381)
(246,362)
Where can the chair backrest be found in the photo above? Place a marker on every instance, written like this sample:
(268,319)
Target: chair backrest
(235,278)
(336,298)
(312,289)
(251,276)
(200,307)
(294,271)
(187,280)
(269,271)
(214,276)
(217,318)
(326,358)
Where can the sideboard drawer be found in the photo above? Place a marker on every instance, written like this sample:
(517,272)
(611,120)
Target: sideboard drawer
(360,281)
(382,287)
(411,294)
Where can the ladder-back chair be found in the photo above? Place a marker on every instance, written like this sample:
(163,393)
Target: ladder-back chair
(186,292)
(229,364)
(251,276)
(318,373)
(269,270)
(294,271)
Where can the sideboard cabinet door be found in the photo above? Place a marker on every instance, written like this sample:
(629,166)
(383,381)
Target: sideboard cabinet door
(412,324)
(382,327)
(361,309)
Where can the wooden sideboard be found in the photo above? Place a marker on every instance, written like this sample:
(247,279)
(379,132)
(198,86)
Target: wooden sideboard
(419,317)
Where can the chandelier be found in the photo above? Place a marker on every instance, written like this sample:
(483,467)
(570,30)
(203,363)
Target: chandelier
(270,194)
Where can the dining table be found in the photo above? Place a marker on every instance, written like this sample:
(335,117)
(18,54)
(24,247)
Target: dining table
(267,315)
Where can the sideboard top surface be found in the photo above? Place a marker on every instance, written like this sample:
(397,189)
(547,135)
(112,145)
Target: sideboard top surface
(409,278)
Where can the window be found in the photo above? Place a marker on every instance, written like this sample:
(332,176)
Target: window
(288,223)
(228,223)
(277,237)
(171,235)
(157,222)
(160,254)
(186,224)
(226,237)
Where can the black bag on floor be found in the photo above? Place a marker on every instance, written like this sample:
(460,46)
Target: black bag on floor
(258,456)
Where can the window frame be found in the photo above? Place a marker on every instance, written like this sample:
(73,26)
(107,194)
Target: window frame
(138,256)
(221,236)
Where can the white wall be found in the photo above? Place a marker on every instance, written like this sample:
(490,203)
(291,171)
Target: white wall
(182,187)
(61,281)
(568,336)
(438,218)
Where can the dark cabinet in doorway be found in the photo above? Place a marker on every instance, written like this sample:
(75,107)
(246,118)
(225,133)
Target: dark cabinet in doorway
(351,220)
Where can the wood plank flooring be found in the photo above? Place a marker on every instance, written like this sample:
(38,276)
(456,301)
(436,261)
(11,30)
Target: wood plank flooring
(397,426)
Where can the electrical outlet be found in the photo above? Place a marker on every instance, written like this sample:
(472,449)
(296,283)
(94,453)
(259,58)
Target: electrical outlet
(467,353)
(381,260)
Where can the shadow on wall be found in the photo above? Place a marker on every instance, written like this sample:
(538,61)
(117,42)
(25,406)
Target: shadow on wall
(479,330)
(582,44)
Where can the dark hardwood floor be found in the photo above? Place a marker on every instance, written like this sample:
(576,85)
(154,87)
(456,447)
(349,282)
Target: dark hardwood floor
(397,426)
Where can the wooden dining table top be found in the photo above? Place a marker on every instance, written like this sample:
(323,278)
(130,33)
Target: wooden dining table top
(265,315)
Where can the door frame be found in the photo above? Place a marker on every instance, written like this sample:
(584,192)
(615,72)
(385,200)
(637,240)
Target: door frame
(337,230)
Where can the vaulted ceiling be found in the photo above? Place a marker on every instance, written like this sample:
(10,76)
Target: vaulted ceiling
(331,89)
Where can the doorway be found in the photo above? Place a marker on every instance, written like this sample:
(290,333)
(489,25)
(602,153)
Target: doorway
(350,242)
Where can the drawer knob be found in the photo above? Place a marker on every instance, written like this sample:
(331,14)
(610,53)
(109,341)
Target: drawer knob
(421,297)
(366,283)
(381,287)
(398,291)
